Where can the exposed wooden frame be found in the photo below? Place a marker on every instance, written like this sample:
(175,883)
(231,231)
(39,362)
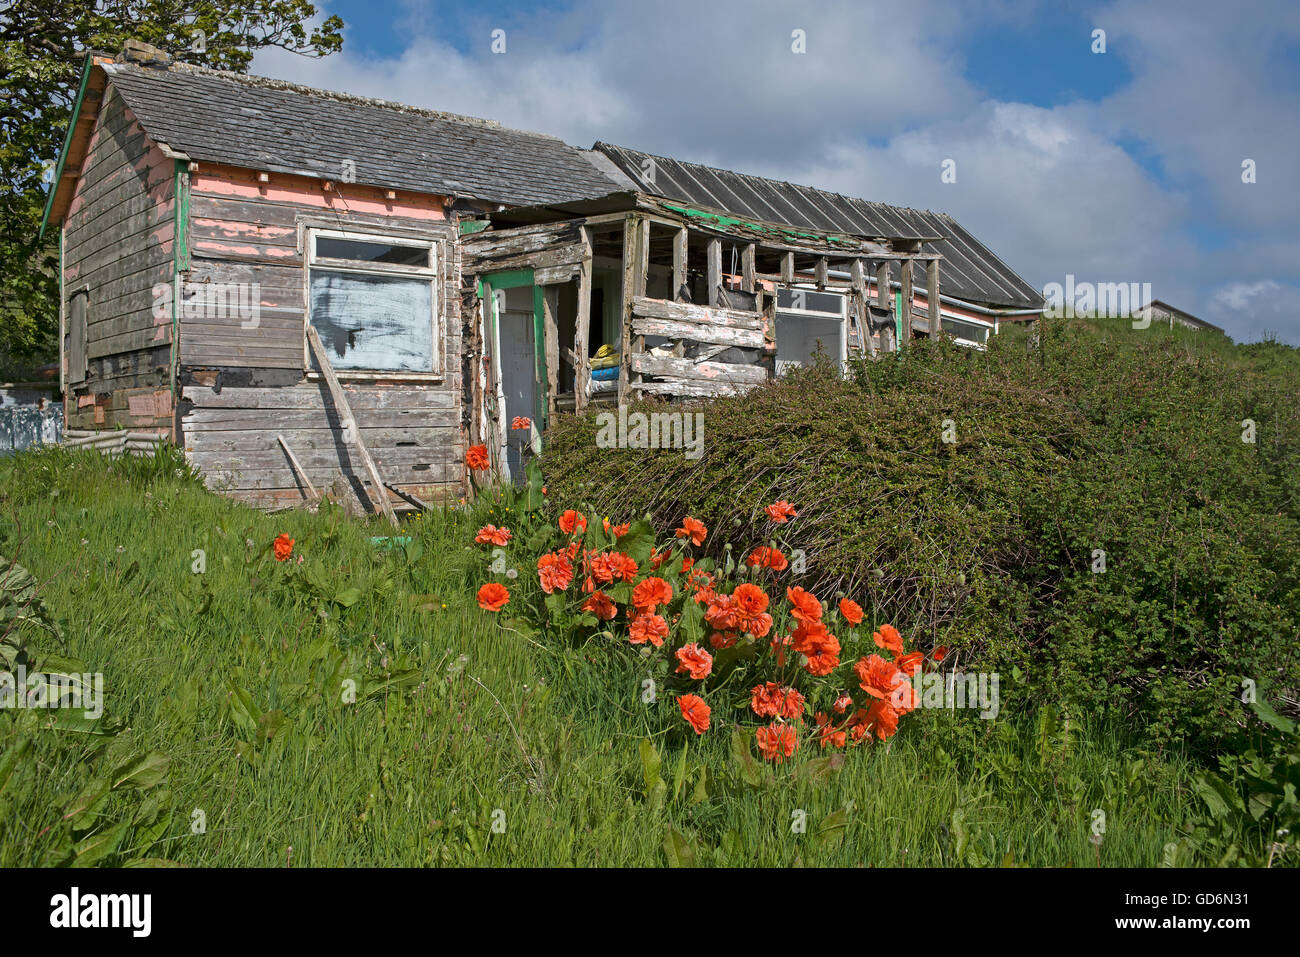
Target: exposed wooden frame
(681,261)
(715,271)
(932,297)
(582,329)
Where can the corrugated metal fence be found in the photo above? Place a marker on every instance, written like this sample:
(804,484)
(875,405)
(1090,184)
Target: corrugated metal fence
(29,415)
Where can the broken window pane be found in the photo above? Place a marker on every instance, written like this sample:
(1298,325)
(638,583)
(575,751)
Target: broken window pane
(379,323)
(393,253)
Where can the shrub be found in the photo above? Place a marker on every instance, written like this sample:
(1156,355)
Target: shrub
(1085,513)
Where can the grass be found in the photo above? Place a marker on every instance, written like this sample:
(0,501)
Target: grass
(467,744)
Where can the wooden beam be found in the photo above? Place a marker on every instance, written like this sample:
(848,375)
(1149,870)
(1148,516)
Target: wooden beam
(349,423)
(932,296)
(312,494)
(582,329)
(882,297)
(680,261)
(858,277)
(715,271)
(747,257)
(822,269)
(906,279)
(631,232)
(787,268)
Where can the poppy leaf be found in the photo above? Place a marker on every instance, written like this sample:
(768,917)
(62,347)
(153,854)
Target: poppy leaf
(678,849)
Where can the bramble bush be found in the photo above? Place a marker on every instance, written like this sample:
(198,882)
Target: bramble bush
(1110,515)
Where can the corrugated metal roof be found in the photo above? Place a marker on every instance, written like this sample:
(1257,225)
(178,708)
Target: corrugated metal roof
(264,124)
(969,269)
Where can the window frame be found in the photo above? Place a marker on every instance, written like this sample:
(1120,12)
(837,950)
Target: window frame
(377,234)
(842,317)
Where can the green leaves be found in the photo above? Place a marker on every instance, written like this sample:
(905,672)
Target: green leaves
(655,788)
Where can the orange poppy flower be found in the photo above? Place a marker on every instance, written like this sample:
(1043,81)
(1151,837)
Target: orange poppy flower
(477,459)
(843,703)
(765,557)
(824,657)
(770,700)
(723,639)
(490,534)
(650,593)
(751,603)
(572,520)
(877,676)
(880,718)
(493,597)
(889,639)
(777,742)
(694,530)
(910,663)
(520,422)
(554,572)
(599,604)
(851,611)
(780,512)
(722,614)
(804,604)
(615,565)
(695,711)
(657,557)
(695,661)
(651,628)
(939,653)
(283,547)
(828,735)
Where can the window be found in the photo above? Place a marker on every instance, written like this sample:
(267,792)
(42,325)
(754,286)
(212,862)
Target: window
(804,318)
(967,332)
(373,300)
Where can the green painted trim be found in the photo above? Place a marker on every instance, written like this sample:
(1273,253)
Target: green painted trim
(181,197)
(510,278)
(730,221)
(898,316)
(67,142)
(469,227)
(180,263)
(539,354)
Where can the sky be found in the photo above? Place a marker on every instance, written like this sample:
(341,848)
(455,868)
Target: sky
(1164,149)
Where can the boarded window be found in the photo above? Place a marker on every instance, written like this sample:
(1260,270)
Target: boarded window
(965,331)
(374,302)
(77,318)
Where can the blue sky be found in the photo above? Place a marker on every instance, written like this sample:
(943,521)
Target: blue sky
(1114,166)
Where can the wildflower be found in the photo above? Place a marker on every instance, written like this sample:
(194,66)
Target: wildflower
(493,597)
(657,557)
(910,663)
(490,534)
(695,661)
(283,547)
(651,628)
(520,422)
(877,676)
(650,593)
(615,565)
(851,611)
(764,557)
(880,718)
(599,604)
(554,572)
(572,520)
(616,531)
(804,604)
(723,639)
(721,613)
(780,512)
(889,639)
(842,703)
(695,711)
(777,742)
(750,603)
(939,653)
(770,700)
(828,735)
(477,458)
(694,530)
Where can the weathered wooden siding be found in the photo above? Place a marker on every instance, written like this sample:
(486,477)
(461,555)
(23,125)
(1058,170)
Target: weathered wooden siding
(244,386)
(118,245)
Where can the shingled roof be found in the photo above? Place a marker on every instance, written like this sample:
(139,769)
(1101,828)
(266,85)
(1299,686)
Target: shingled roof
(264,124)
(969,269)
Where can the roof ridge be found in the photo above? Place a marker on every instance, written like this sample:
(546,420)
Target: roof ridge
(270,83)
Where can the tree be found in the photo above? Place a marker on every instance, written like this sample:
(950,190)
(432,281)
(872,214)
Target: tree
(42,49)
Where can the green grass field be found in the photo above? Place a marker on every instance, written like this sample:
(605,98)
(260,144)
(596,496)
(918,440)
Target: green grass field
(226,738)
